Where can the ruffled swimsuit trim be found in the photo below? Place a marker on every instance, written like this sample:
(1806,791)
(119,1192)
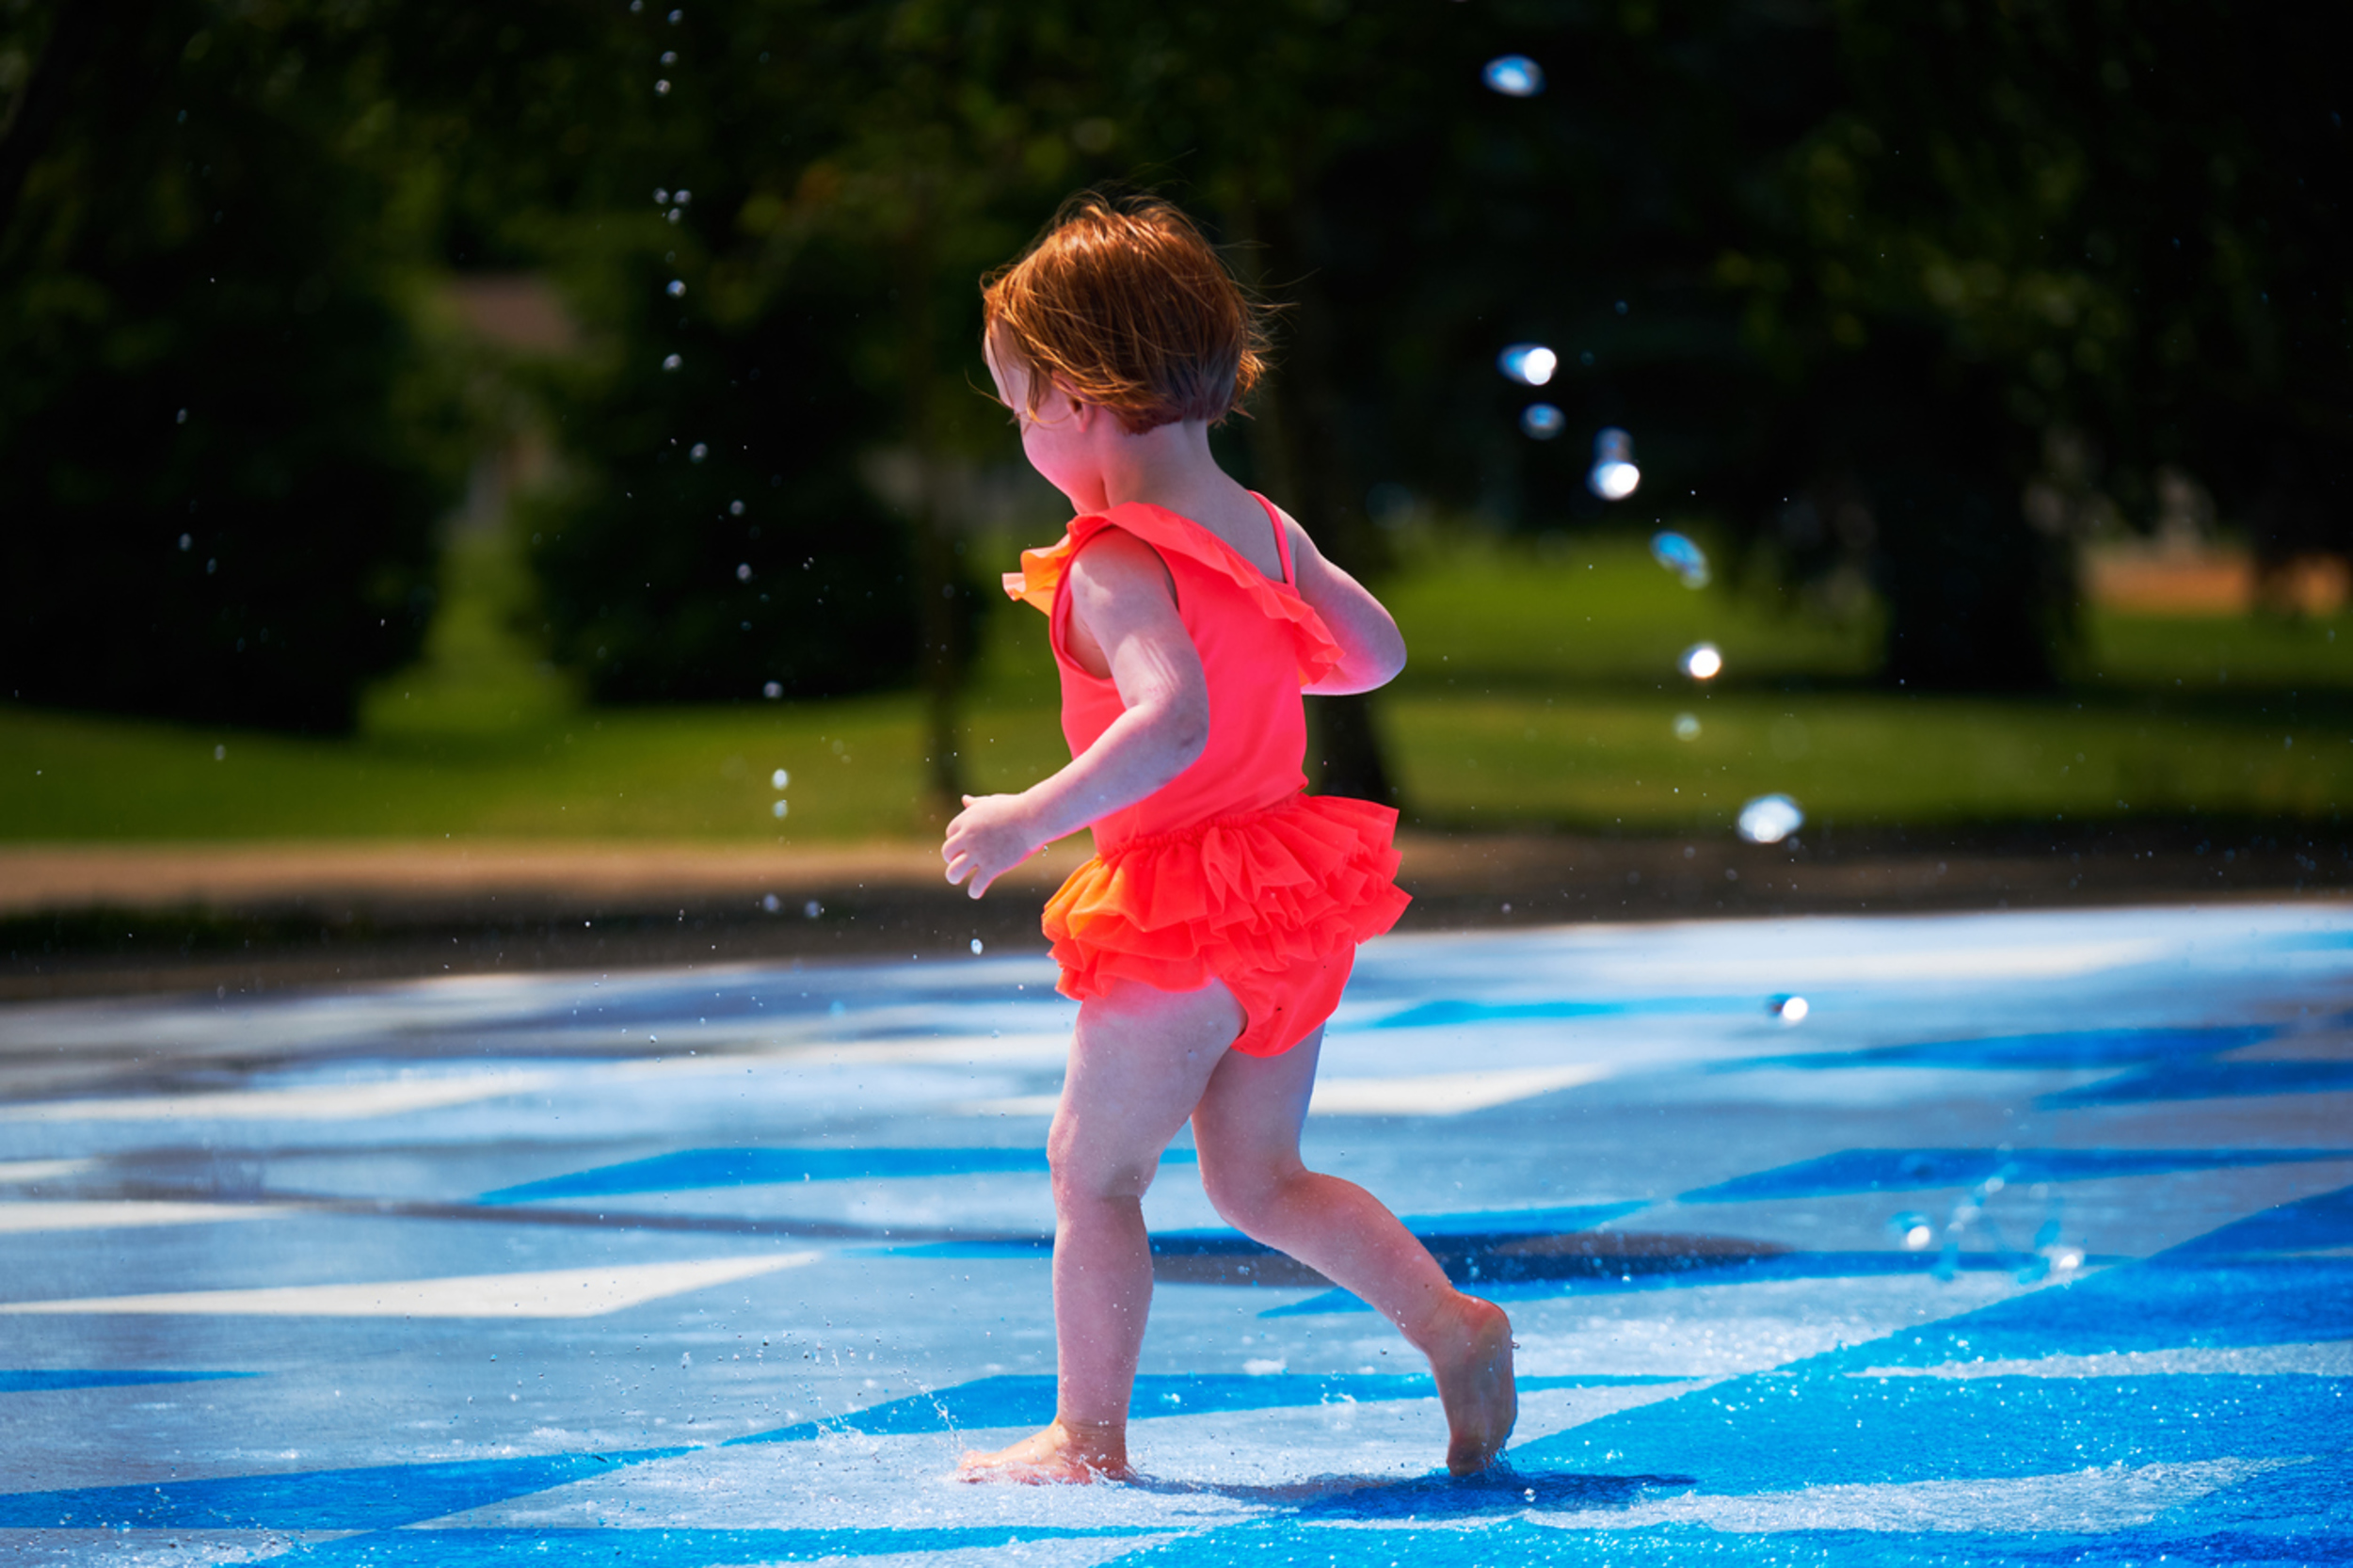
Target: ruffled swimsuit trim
(1042,573)
(1239,899)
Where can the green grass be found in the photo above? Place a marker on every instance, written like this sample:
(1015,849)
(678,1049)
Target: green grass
(1542,691)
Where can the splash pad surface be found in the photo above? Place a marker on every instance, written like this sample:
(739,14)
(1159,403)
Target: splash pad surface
(2028,1239)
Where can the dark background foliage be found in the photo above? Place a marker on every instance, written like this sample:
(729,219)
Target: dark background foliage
(1855,274)
(220,452)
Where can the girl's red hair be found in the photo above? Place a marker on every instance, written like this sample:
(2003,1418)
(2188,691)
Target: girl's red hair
(1122,302)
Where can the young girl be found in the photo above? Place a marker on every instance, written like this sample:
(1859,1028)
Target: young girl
(1210,936)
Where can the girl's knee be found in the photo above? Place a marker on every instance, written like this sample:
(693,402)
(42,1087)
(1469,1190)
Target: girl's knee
(1246,1197)
(1087,1176)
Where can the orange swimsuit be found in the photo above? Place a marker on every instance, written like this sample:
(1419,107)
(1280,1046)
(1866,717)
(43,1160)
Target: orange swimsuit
(1230,871)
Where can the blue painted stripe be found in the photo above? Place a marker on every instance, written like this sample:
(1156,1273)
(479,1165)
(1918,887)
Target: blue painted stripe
(1526,1544)
(2325,1220)
(374,1497)
(1907,1170)
(2207,1081)
(27,1380)
(691,1170)
(1431,1014)
(1814,1427)
(670,1548)
(1605,1277)
(1027,1399)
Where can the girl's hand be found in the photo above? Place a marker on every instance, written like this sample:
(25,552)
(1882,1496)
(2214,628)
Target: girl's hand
(990,836)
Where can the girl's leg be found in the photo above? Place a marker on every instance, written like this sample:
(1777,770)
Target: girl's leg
(1139,1062)
(1246,1129)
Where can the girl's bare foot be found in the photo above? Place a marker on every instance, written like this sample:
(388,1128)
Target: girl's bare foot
(1471,1357)
(1068,1451)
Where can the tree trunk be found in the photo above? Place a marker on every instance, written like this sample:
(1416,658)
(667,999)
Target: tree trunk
(1295,442)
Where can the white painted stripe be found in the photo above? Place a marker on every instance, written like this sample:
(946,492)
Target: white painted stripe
(321,1103)
(18,1219)
(2085,1502)
(1013,1105)
(1419,1094)
(21,1172)
(2328,1358)
(556,1293)
(1446,1093)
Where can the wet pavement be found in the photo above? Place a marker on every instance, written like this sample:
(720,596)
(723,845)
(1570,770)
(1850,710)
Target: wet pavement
(2030,1241)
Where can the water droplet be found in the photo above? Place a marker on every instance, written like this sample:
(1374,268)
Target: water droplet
(1702,662)
(1531,364)
(1770,819)
(1514,75)
(677,17)
(660,197)
(188,541)
(772,904)
(671,362)
(735,509)
(773,690)
(662,89)
(1687,727)
(1789,1010)
(976,947)
(669,56)
(1917,1237)
(812,909)
(779,810)
(697,452)
(220,753)
(744,571)
(1542,420)
(1614,476)
(677,289)
(182,418)
(686,1358)
(681,196)
(778,779)
(1682,555)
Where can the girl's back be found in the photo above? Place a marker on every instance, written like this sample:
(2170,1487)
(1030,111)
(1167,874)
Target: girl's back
(1258,643)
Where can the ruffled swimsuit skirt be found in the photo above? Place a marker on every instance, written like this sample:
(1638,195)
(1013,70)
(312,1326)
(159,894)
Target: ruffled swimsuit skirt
(1231,871)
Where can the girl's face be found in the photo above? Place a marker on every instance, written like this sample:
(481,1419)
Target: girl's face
(1059,437)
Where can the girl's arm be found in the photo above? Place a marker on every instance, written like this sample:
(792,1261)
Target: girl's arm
(1372,651)
(1123,609)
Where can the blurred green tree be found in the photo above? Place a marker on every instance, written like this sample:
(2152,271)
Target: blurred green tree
(221,452)
(2113,235)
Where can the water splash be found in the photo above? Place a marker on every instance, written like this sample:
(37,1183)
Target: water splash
(1770,819)
(1514,75)
(1614,474)
(1542,420)
(1531,364)
(1681,554)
